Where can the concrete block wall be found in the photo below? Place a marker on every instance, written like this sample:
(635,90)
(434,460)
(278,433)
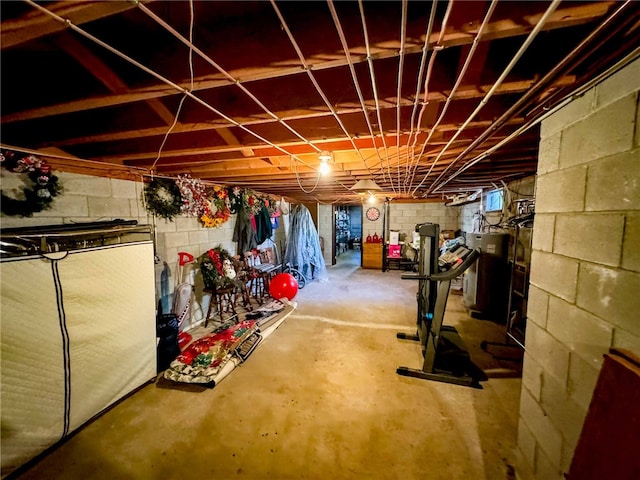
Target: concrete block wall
(84,199)
(87,199)
(585,267)
(404,217)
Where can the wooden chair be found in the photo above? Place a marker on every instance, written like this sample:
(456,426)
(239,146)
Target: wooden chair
(225,298)
(262,268)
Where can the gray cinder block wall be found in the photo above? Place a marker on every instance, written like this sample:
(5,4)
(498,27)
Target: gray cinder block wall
(585,267)
(405,216)
(88,199)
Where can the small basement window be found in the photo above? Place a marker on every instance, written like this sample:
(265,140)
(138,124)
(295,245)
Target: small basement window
(494,200)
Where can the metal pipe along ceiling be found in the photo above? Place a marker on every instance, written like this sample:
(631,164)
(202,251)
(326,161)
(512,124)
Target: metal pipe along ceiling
(232,79)
(314,81)
(436,48)
(403,37)
(156,75)
(374,85)
(520,103)
(495,86)
(534,121)
(467,62)
(354,77)
(416,99)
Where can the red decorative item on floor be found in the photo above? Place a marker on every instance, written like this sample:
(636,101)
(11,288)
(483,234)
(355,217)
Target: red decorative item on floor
(283,285)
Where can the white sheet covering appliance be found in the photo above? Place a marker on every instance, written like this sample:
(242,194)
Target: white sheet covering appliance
(77,328)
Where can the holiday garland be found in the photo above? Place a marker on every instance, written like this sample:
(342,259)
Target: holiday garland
(39,195)
(162,198)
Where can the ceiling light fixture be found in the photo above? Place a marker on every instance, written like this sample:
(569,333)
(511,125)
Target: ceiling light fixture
(365,185)
(325,158)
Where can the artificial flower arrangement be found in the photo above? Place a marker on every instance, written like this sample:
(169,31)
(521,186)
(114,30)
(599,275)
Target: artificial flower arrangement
(254,203)
(217,268)
(217,212)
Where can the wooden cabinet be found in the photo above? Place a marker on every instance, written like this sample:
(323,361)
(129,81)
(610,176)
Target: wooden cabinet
(372,255)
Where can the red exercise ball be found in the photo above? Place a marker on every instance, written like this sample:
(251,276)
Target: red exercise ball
(283,285)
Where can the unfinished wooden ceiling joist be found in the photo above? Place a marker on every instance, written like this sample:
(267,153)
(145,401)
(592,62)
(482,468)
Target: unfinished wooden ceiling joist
(424,98)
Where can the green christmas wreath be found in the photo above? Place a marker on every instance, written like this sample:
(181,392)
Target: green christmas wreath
(162,198)
(39,195)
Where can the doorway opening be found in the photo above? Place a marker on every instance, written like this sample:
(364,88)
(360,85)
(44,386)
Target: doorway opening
(348,234)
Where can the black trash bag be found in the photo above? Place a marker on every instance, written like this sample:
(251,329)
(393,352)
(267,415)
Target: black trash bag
(167,333)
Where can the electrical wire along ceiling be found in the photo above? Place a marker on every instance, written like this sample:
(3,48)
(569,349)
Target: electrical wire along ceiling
(303,99)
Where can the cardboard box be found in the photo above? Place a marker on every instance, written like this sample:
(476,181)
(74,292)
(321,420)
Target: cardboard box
(394,237)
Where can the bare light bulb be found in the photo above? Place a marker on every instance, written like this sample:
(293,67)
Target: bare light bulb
(325,168)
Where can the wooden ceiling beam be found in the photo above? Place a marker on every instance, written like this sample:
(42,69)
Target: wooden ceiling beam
(292,148)
(105,75)
(37,24)
(562,17)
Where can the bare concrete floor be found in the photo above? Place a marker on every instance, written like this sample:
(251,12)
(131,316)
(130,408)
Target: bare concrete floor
(319,399)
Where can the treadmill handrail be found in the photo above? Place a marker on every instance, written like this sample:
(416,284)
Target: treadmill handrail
(450,274)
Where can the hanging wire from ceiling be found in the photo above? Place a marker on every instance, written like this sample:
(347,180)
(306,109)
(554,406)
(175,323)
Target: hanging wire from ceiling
(463,71)
(184,96)
(227,75)
(374,87)
(156,75)
(534,32)
(312,77)
(416,97)
(295,169)
(520,104)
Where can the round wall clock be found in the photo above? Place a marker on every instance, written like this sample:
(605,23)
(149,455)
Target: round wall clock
(373,214)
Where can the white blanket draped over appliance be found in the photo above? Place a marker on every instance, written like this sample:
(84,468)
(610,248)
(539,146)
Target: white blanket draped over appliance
(77,335)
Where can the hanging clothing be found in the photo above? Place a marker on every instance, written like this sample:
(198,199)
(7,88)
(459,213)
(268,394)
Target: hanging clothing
(263,225)
(303,246)
(243,233)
